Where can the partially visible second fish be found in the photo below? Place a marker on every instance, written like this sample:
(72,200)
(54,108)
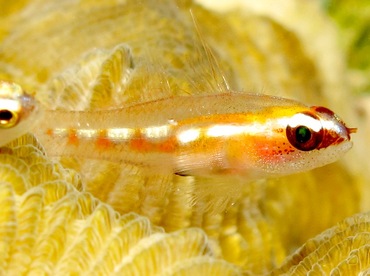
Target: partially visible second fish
(19,111)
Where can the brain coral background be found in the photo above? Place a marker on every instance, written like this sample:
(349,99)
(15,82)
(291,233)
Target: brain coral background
(69,215)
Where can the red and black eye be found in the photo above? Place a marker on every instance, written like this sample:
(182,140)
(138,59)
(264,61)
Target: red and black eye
(305,132)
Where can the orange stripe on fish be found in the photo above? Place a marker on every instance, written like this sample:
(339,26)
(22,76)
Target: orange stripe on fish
(72,137)
(102,141)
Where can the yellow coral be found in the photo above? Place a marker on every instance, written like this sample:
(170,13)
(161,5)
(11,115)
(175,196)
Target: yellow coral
(53,228)
(341,250)
(73,54)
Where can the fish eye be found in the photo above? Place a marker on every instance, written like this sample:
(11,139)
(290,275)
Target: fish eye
(8,118)
(305,132)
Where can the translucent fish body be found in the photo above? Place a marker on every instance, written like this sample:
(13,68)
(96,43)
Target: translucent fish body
(233,133)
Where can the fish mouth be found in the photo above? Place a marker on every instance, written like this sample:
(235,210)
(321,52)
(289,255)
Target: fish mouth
(351,130)
(30,108)
(28,101)
(333,124)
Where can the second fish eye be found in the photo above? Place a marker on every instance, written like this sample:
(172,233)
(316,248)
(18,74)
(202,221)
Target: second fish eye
(7,118)
(305,132)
